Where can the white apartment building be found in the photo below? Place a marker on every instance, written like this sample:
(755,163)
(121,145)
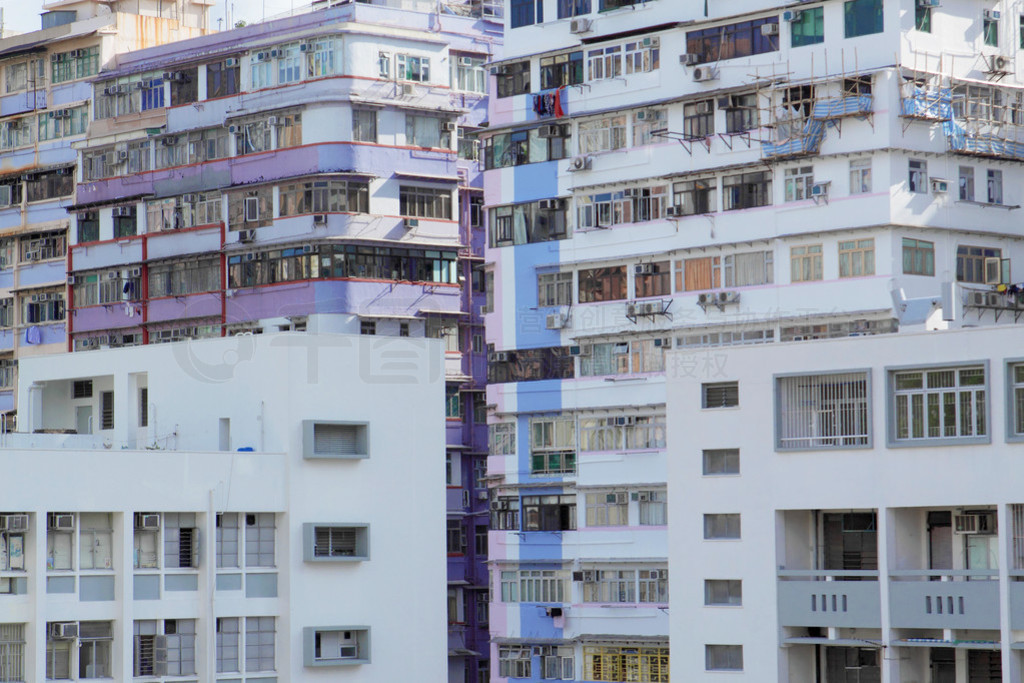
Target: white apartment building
(665,175)
(225,510)
(851,512)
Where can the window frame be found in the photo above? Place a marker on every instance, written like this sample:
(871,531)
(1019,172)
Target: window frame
(1014,414)
(891,373)
(835,406)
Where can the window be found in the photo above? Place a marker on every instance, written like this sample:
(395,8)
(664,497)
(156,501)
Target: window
(525,12)
(966,183)
(722,592)
(554,289)
(468,74)
(259,644)
(946,403)
(549,513)
(513,79)
(525,224)
(502,438)
(798,183)
(335,646)
(626,586)
(631,205)
(809,29)
(58,654)
(722,527)
(410,68)
(252,137)
(981,265)
(862,17)
(227,538)
(720,461)
(652,279)
(990,30)
(742,114)
(861,664)
(694,274)
(558,662)
(12,652)
(995,186)
(805,263)
(605,62)
(917,178)
(823,411)
(15,133)
(181,540)
(573,8)
(553,445)
(456,536)
(106,410)
(626,663)
(857,258)
(622,432)
(726,657)
(368,327)
(426,131)
(601,135)
(259,539)
(922,18)
(181,278)
(558,71)
(75,64)
(653,507)
(88,227)
(323,195)
(185,86)
(94,540)
(425,202)
(166,651)
(364,125)
(918,257)
(42,308)
(505,516)
(1017,380)
(95,640)
(533,585)
(720,395)
(514,662)
(747,190)
(732,41)
(860,176)
(63,123)
(125,221)
(608,509)
(145,542)
(642,55)
(480,543)
(223,80)
(746,270)
(602,284)
(692,197)
(227,644)
(645,123)
(699,119)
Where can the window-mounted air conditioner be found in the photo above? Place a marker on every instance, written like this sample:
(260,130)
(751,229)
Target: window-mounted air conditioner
(580,163)
(939,186)
(122,156)
(550,131)
(448,126)
(503,356)
(991,14)
(276,53)
(410,223)
(983,523)
(307,47)
(556,321)
(689,59)
(64,630)
(554,612)
(189,198)
(246,235)
(585,576)
(549,204)
(581,350)
(60,522)
(347,652)
(122,211)
(791,15)
(928,3)
(819,190)
(147,521)
(231,62)
(673,211)
(643,269)
(15,522)
(704,73)
(465,61)
(134,272)
(580,25)
(234,128)
(273,120)
(769,29)
(320,219)
(703,107)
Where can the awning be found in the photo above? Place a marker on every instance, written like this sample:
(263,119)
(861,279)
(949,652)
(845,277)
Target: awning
(463,652)
(385,316)
(532,641)
(34,47)
(432,311)
(428,176)
(838,642)
(936,642)
(107,202)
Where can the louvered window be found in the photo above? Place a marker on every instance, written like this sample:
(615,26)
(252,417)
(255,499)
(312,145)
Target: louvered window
(82,388)
(326,542)
(335,440)
(721,395)
(335,542)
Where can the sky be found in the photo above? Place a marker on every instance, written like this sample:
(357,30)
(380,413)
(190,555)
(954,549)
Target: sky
(23,15)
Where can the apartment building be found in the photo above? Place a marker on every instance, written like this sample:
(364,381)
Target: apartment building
(45,105)
(700,176)
(869,529)
(323,163)
(223,521)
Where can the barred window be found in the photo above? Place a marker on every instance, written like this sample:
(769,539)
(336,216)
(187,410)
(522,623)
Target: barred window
(823,411)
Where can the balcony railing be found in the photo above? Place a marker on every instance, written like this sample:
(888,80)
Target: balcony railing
(961,599)
(829,598)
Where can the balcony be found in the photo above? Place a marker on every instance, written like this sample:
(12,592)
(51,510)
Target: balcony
(945,599)
(829,598)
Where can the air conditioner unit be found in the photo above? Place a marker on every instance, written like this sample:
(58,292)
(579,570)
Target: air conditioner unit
(673,211)
(689,59)
(581,25)
(550,131)
(231,62)
(169,141)
(728,297)
(122,211)
(134,272)
(481,495)
(60,522)
(984,523)
(16,522)
(580,163)
(465,61)
(71,279)
(643,496)
(791,15)
(347,652)
(448,126)
(233,129)
(589,576)
(819,190)
(617,498)
(995,300)
(703,107)
(246,235)
(631,192)
(977,299)
(939,186)
(555,321)
(704,73)
(643,269)
(998,63)
(769,29)
(553,611)
(991,14)
(630,309)
(189,198)
(147,521)
(276,53)
(928,3)
(64,630)
(307,47)
(408,89)
(319,219)
(262,56)
(410,223)
(502,356)
(112,274)
(581,350)
(549,204)
(122,155)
